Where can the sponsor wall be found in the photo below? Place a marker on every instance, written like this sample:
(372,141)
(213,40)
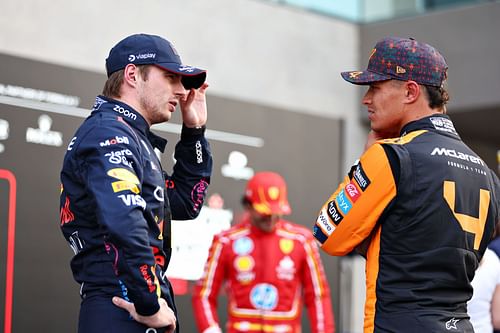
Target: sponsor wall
(41,105)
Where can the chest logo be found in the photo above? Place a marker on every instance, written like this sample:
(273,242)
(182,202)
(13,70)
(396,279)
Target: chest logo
(286,245)
(244,263)
(264,296)
(243,246)
(286,269)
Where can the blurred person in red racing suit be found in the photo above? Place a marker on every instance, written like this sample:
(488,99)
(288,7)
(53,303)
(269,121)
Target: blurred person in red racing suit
(420,204)
(117,202)
(270,266)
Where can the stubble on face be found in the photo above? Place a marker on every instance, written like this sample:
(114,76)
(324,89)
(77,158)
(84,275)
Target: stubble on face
(154,93)
(156,110)
(265,223)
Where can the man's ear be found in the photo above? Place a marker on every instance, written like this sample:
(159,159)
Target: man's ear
(412,91)
(130,74)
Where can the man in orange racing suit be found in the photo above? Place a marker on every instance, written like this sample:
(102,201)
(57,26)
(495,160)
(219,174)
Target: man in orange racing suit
(421,206)
(270,266)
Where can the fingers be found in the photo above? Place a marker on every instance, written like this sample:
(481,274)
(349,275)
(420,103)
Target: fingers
(203,87)
(121,303)
(188,97)
(191,94)
(162,302)
(165,317)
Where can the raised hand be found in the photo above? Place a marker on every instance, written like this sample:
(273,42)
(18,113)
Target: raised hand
(194,107)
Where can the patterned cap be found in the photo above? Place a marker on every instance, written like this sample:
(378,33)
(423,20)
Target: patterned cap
(402,59)
(266,191)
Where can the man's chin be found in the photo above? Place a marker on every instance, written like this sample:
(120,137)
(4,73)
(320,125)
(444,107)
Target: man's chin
(268,227)
(163,118)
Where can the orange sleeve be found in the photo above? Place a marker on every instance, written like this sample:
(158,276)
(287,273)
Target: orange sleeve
(351,213)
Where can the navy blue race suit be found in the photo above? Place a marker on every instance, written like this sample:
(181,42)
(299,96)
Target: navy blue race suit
(116,209)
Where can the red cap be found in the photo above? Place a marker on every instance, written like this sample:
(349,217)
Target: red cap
(266,191)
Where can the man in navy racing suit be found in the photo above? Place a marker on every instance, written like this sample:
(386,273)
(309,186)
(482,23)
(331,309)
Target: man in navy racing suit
(117,202)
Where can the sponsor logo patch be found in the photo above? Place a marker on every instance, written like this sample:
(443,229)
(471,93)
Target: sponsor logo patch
(147,277)
(119,157)
(125,112)
(123,185)
(286,245)
(342,202)
(443,124)
(244,263)
(318,234)
(286,269)
(71,143)
(352,192)
(199,152)
(145,56)
(361,178)
(354,75)
(243,246)
(244,266)
(159,194)
(66,215)
(458,155)
(133,200)
(452,324)
(188,69)
(114,141)
(123,174)
(325,224)
(264,296)
(198,194)
(75,242)
(333,213)
(97,104)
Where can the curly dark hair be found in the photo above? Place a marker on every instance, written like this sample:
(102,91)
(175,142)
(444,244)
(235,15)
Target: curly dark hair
(437,96)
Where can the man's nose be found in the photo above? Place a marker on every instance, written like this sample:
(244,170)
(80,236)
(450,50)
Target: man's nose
(179,90)
(367,98)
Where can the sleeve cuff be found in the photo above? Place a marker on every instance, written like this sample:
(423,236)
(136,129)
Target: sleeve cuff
(189,132)
(213,329)
(147,310)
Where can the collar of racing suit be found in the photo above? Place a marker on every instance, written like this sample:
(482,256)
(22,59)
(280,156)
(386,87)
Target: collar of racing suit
(436,122)
(131,117)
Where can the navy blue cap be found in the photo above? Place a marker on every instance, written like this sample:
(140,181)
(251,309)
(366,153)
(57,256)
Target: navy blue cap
(143,49)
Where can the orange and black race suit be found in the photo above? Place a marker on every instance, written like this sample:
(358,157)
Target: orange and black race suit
(268,277)
(421,208)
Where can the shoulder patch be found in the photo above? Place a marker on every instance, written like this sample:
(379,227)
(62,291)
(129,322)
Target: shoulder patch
(123,174)
(361,178)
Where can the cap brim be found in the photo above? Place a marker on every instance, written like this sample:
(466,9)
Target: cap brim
(192,77)
(363,77)
(268,209)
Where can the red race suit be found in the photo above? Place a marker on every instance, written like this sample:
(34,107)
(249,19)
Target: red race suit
(267,276)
